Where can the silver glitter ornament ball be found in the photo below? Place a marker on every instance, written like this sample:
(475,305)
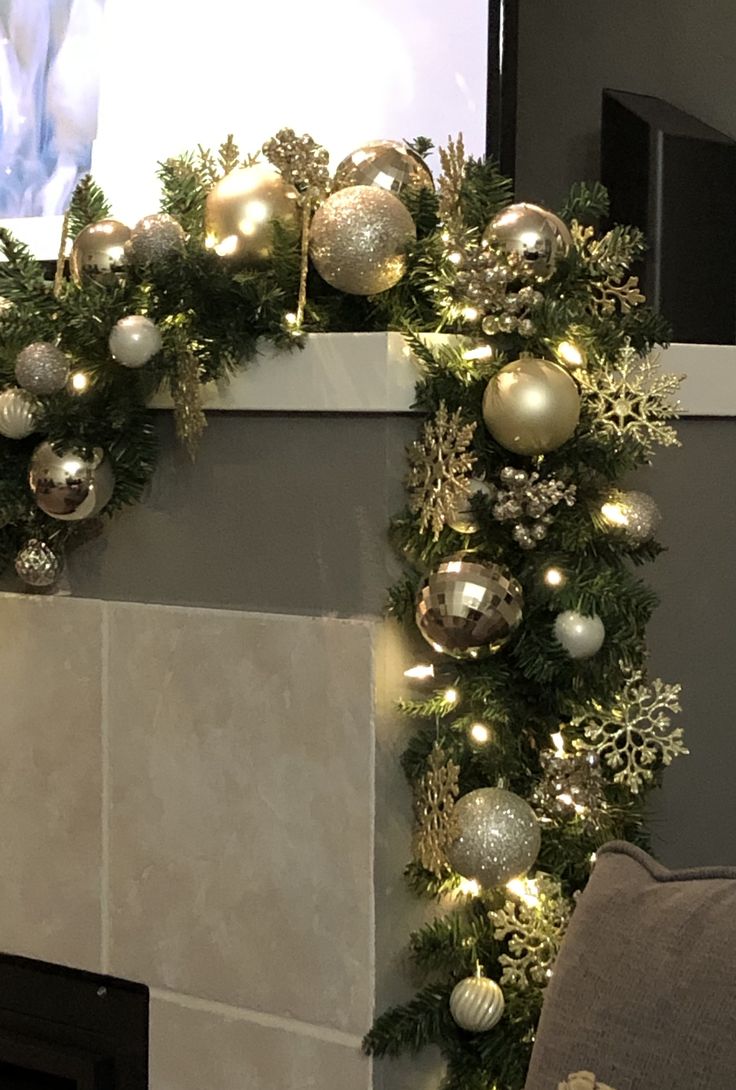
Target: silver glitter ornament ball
(18,413)
(154,238)
(467,606)
(98,253)
(68,485)
(37,564)
(385,163)
(580,635)
(477,1003)
(634,513)
(499,836)
(42,368)
(359,239)
(537,237)
(463,519)
(134,340)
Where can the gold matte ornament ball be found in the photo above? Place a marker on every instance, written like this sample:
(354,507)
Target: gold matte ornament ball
(477,1003)
(385,163)
(98,253)
(531,406)
(538,237)
(359,240)
(240,211)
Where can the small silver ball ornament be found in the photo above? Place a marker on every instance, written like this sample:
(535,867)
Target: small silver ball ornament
(536,236)
(463,519)
(98,253)
(134,340)
(42,368)
(477,1003)
(531,406)
(18,413)
(68,485)
(499,837)
(582,636)
(37,564)
(154,238)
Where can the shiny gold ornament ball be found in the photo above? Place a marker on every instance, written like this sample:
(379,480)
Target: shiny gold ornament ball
(240,211)
(531,406)
(462,518)
(385,163)
(477,1003)
(68,485)
(499,836)
(467,606)
(537,237)
(98,253)
(359,239)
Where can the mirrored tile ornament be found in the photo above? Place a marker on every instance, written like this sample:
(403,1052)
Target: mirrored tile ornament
(498,839)
(385,163)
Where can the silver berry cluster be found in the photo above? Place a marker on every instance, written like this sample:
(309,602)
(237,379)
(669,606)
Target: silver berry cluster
(527,500)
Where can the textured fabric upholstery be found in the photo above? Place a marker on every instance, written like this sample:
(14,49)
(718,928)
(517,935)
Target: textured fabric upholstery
(644,988)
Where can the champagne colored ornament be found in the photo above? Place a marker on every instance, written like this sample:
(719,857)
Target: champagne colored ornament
(385,163)
(477,1003)
(42,368)
(467,606)
(18,414)
(37,564)
(462,518)
(134,340)
(154,238)
(499,836)
(581,636)
(537,237)
(240,211)
(531,406)
(69,485)
(359,239)
(634,513)
(582,1080)
(98,253)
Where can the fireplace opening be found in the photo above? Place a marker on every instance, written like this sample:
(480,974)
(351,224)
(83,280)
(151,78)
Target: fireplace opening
(67,1029)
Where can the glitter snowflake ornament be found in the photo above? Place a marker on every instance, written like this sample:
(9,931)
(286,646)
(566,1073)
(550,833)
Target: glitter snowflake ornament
(440,465)
(634,734)
(527,500)
(534,926)
(434,809)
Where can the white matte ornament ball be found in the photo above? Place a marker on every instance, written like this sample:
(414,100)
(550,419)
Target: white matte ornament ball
(499,836)
(18,414)
(477,1003)
(42,368)
(531,406)
(135,340)
(463,519)
(581,636)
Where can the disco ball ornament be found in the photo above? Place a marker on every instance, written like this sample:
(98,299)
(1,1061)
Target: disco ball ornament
(69,485)
(18,413)
(385,163)
(154,238)
(531,406)
(467,606)
(240,211)
(37,564)
(537,237)
(499,836)
(477,1003)
(98,253)
(359,238)
(582,636)
(134,340)
(42,368)
(463,519)
(634,513)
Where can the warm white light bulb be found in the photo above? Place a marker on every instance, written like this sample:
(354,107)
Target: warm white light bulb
(525,889)
(480,733)
(470,314)
(421,671)
(553,577)
(79,382)
(484,352)
(570,354)
(559,743)
(469,887)
(614,513)
(451,696)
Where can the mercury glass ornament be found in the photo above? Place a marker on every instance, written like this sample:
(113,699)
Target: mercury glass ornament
(635,513)
(385,163)
(499,836)
(69,485)
(134,340)
(240,211)
(538,237)
(477,1003)
(37,564)
(467,605)
(153,238)
(18,413)
(531,406)
(580,635)
(359,238)
(462,519)
(98,253)
(42,368)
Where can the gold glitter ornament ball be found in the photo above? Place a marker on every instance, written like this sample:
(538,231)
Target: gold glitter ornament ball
(98,253)
(531,406)
(385,163)
(499,836)
(68,485)
(467,606)
(477,1003)
(537,237)
(359,239)
(240,211)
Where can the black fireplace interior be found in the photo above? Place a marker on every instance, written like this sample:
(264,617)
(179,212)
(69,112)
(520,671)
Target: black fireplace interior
(65,1029)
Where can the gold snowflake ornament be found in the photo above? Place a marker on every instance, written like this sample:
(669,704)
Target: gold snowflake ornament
(582,1080)
(634,734)
(534,925)
(440,464)
(435,811)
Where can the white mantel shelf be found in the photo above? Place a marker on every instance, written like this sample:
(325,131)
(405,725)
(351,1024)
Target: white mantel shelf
(376,373)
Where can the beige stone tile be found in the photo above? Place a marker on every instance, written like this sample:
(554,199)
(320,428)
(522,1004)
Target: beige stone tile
(241,824)
(195,1049)
(51,780)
